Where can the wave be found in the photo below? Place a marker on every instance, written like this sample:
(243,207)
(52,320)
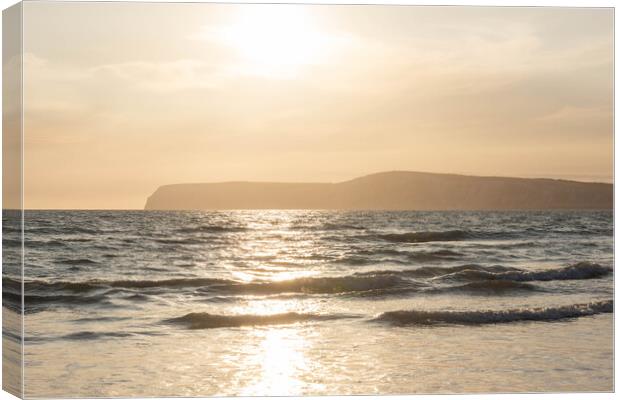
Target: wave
(582,270)
(59,230)
(210,321)
(571,231)
(30,300)
(83,294)
(494,287)
(303,285)
(423,237)
(10,284)
(86,286)
(415,317)
(100,319)
(391,256)
(510,245)
(479,288)
(52,243)
(11,242)
(471,272)
(323,285)
(212,229)
(457,235)
(353,260)
(442,253)
(326,226)
(336,227)
(180,241)
(427,255)
(432,272)
(11,229)
(90,335)
(38,291)
(358,282)
(76,261)
(37,303)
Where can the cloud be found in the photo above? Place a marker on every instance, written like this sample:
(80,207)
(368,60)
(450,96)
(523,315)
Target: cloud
(162,76)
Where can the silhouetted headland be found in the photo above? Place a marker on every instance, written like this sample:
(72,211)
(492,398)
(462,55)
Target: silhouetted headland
(398,190)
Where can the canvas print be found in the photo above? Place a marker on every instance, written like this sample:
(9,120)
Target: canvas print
(294,199)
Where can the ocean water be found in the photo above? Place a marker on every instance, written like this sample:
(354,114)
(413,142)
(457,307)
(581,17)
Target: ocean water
(148,303)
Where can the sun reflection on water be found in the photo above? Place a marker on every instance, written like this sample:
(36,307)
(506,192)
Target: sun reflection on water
(281,355)
(278,254)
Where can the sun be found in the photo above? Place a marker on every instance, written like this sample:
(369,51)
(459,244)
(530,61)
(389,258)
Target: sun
(275,40)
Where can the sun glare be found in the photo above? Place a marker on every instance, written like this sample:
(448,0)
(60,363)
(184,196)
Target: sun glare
(275,40)
(281,355)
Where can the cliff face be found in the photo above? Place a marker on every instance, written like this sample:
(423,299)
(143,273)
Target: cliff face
(389,191)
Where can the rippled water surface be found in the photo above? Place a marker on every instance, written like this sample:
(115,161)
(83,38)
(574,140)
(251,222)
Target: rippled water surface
(144,303)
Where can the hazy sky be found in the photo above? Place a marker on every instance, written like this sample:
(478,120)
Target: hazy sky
(121,98)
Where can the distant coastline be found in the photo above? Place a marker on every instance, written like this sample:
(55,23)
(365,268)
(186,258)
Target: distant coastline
(395,190)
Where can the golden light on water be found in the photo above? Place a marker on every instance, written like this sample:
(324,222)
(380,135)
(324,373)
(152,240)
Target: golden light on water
(275,306)
(277,254)
(281,355)
(278,108)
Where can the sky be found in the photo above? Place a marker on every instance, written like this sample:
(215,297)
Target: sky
(120,98)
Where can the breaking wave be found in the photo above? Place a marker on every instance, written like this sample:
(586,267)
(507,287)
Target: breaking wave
(418,317)
(470,272)
(582,270)
(477,277)
(210,321)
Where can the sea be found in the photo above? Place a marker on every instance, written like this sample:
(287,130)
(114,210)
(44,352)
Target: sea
(298,302)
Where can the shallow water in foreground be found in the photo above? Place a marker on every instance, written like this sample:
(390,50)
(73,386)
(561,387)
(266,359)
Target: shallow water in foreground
(315,302)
